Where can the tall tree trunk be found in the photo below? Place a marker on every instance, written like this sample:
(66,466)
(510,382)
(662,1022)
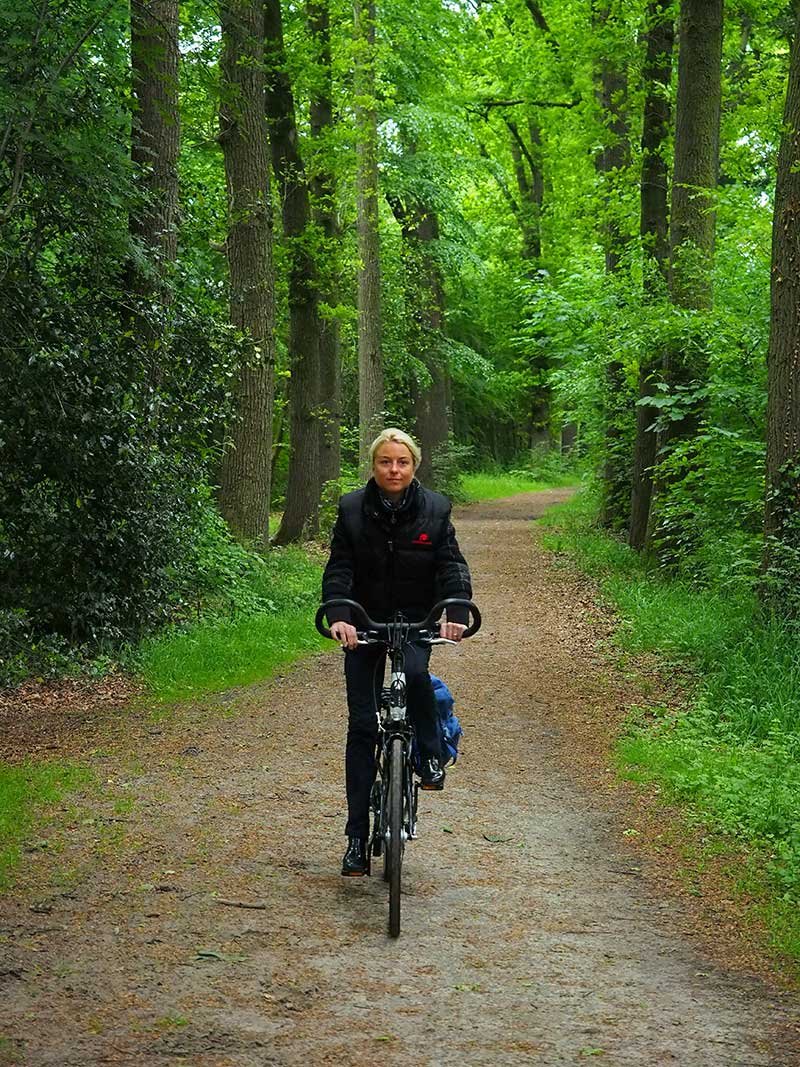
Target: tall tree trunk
(782,510)
(370,364)
(660,36)
(692,222)
(156,137)
(530,184)
(245,475)
(527,161)
(155,144)
(303,486)
(611,162)
(694,180)
(323,198)
(425,328)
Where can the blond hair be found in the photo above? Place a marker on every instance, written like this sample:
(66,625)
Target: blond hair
(400,438)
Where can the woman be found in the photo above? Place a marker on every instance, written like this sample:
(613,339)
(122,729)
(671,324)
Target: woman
(393,549)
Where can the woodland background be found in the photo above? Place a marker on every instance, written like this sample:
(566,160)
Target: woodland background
(237,238)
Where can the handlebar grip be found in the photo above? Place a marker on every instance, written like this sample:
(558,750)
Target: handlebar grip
(473,610)
(352,605)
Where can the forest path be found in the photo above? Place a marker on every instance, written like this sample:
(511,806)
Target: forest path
(531,932)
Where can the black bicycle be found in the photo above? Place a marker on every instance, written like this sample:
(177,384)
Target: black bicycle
(395,791)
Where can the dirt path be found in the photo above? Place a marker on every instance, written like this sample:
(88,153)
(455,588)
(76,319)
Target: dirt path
(531,933)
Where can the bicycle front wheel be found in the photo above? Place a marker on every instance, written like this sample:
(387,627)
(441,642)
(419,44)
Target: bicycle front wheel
(394,844)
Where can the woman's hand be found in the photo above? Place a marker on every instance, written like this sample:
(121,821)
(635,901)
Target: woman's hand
(345,634)
(453,631)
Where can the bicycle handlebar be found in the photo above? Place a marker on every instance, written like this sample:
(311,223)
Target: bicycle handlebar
(413,627)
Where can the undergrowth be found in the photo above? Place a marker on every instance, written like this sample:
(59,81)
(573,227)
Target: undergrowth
(255,614)
(532,471)
(730,754)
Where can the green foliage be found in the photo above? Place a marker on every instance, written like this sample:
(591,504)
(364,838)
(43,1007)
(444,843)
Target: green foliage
(732,753)
(449,462)
(101,467)
(252,615)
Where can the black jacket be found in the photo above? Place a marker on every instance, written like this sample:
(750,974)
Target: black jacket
(402,559)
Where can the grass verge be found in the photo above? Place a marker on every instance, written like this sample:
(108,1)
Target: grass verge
(267,624)
(26,790)
(730,755)
(491,486)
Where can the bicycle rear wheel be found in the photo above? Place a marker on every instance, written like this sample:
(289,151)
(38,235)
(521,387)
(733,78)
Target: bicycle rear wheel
(394,844)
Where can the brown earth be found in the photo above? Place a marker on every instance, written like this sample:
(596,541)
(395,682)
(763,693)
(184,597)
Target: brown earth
(546,918)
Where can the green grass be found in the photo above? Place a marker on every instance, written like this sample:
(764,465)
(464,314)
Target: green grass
(731,756)
(266,622)
(26,790)
(219,654)
(493,484)
(483,486)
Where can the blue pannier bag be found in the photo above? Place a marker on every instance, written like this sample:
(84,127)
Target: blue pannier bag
(449,725)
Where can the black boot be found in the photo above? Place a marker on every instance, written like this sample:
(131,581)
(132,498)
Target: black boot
(354,863)
(432,774)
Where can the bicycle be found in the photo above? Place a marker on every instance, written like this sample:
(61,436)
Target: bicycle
(395,791)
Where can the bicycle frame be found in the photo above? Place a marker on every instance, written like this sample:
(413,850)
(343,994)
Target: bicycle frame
(395,790)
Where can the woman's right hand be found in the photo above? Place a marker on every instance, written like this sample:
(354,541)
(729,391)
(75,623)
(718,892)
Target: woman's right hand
(346,634)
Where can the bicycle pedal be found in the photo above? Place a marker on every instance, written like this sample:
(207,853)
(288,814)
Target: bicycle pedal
(434,787)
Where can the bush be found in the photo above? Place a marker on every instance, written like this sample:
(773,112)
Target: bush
(102,456)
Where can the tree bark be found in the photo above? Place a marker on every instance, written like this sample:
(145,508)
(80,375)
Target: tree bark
(692,220)
(245,475)
(323,199)
(653,228)
(424,290)
(156,135)
(782,508)
(370,364)
(697,115)
(303,486)
(611,162)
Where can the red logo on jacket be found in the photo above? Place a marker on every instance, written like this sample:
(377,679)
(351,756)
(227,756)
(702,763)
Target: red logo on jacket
(423,539)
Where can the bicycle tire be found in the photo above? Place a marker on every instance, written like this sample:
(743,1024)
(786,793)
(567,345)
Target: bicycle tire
(394,851)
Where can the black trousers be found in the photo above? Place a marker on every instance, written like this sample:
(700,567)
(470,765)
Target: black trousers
(363,671)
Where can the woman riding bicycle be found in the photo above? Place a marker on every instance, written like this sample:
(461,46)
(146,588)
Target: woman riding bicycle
(393,549)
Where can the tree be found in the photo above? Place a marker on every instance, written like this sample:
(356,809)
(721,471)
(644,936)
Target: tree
(653,229)
(425,327)
(692,236)
(155,141)
(611,162)
(370,363)
(303,488)
(323,194)
(245,475)
(782,511)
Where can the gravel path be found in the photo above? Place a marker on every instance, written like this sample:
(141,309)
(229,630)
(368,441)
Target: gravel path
(531,933)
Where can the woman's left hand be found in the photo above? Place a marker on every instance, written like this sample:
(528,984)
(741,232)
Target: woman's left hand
(453,631)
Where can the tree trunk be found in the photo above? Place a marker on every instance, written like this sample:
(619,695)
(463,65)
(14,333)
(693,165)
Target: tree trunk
(303,485)
(653,228)
(424,292)
(530,184)
(370,365)
(611,162)
(245,475)
(782,510)
(692,222)
(694,179)
(527,160)
(323,193)
(156,138)
(155,144)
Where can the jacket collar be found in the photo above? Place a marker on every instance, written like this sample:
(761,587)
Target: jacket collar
(384,511)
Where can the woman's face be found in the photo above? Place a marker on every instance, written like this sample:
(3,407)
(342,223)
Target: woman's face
(393,468)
